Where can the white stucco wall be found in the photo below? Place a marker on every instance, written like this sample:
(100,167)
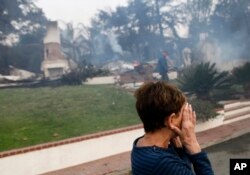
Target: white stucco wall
(60,157)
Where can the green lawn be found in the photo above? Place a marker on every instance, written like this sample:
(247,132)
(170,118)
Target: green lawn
(39,115)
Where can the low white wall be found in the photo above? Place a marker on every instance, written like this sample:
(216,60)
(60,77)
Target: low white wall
(102,80)
(60,157)
(212,123)
(132,85)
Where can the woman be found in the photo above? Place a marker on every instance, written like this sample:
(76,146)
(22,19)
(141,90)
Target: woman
(169,146)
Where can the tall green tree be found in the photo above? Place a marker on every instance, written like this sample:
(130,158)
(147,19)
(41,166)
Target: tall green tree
(19,17)
(143,27)
(22,24)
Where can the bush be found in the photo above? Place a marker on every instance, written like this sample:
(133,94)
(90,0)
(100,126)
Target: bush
(202,78)
(234,92)
(205,110)
(74,77)
(81,73)
(241,76)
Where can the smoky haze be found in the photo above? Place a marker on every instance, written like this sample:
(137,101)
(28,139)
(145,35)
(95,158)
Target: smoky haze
(141,31)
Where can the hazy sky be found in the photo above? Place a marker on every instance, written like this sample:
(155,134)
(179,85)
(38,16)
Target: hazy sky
(76,10)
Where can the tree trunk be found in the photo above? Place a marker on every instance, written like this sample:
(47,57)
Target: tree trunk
(158,15)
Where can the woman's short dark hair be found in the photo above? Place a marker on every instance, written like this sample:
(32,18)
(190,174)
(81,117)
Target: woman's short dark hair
(155,101)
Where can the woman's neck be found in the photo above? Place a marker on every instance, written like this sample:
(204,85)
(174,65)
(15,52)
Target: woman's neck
(159,138)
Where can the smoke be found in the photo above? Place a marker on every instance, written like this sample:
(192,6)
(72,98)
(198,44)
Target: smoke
(99,44)
(226,44)
(106,46)
(227,54)
(112,37)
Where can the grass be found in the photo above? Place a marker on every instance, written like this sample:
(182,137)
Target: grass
(40,115)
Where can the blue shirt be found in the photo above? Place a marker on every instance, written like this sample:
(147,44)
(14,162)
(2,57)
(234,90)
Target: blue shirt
(153,160)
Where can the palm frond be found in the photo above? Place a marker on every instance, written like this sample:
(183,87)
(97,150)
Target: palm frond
(202,78)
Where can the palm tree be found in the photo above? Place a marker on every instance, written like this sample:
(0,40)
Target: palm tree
(202,78)
(241,76)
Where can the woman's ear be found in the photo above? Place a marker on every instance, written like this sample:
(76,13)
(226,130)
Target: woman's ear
(169,120)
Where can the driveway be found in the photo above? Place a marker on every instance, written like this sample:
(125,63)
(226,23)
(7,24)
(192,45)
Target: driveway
(220,154)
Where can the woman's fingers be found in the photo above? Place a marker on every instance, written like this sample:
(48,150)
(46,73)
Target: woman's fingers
(187,131)
(177,142)
(182,111)
(194,117)
(187,124)
(190,112)
(185,113)
(176,130)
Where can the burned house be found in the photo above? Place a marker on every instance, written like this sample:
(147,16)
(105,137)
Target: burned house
(55,64)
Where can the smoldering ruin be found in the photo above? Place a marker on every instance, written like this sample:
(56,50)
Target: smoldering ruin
(122,39)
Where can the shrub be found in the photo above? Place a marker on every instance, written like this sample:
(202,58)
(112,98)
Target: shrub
(74,77)
(234,92)
(205,110)
(202,78)
(81,73)
(241,76)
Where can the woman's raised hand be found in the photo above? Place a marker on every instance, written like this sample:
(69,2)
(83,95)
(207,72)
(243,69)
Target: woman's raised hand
(187,130)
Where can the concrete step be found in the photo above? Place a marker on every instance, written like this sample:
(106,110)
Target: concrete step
(236,105)
(238,118)
(237,112)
